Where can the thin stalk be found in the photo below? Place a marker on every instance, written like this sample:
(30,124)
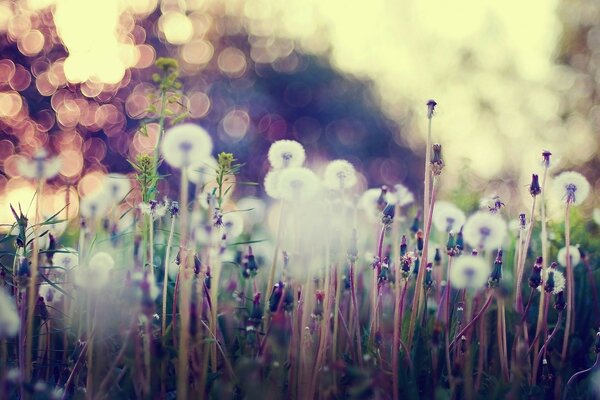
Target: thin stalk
(336,315)
(576,376)
(569,325)
(522,258)
(485,306)
(279,233)
(418,294)
(356,318)
(544,240)
(183,356)
(398,311)
(501,324)
(544,348)
(544,305)
(166,277)
(32,287)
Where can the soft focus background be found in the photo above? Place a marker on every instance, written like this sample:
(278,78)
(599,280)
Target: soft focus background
(346,78)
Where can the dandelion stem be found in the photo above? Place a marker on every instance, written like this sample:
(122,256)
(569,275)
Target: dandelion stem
(521,260)
(398,312)
(544,348)
(576,376)
(570,285)
(185,296)
(485,306)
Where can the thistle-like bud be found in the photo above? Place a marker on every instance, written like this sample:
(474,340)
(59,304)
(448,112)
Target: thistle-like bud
(417,265)
(419,240)
(430,108)
(496,275)
(522,221)
(559,301)
(535,280)
(460,241)
(535,188)
(256,314)
(388,214)
(318,311)
(250,265)
(546,158)
(276,295)
(437,162)
(403,246)
(437,258)
(174,209)
(381,200)
(428,281)
(384,272)
(197,264)
(414,227)
(451,243)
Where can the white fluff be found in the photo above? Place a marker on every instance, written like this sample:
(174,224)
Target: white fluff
(339,175)
(447,217)
(484,231)
(469,272)
(297,184)
(9,319)
(571,187)
(561,257)
(286,154)
(186,145)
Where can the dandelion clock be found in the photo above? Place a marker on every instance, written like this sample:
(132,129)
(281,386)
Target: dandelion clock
(186,145)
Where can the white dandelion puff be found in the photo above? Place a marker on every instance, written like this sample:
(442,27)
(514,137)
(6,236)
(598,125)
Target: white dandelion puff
(559,280)
(50,294)
(271,184)
(65,258)
(40,166)
(9,319)
(571,188)
(186,145)
(94,205)
(469,272)
(596,215)
(484,231)
(401,195)
(117,187)
(97,273)
(233,224)
(286,154)
(339,175)
(447,217)
(203,173)
(369,203)
(561,257)
(297,184)
(254,210)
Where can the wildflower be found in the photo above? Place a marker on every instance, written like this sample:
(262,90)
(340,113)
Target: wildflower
(414,227)
(174,209)
(286,154)
(186,145)
(155,208)
(447,217)
(401,196)
(9,319)
(522,221)
(535,188)
(117,186)
(318,310)
(297,184)
(571,188)
(40,167)
(469,272)
(250,265)
(437,163)
(203,171)
(403,246)
(94,205)
(339,175)
(21,221)
(574,254)
(460,244)
(437,258)
(484,231)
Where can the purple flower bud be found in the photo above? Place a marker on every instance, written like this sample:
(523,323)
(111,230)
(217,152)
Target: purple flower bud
(431,108)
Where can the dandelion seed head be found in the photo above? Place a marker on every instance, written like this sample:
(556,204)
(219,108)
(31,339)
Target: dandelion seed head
(447,217)
(117,186)
(559,280)
(95,205)
(369,203)
(203,172)
(233,224)
(469,272)
(339,175)
(271,184)
(40,166)
(254,210)
(297,184)
(97,273)
(286,154)
(484,231)
(9,319)
(186,145)
(571,187)
(50,294)
(401,195)
(561,257)
(66,258)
